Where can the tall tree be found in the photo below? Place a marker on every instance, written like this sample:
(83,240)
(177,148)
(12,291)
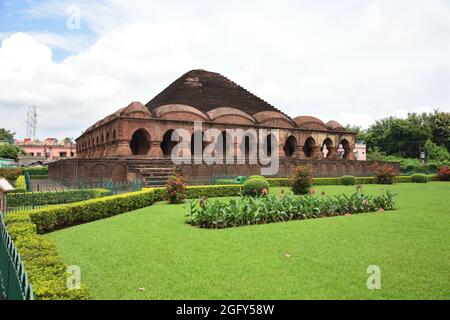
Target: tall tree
(7,135)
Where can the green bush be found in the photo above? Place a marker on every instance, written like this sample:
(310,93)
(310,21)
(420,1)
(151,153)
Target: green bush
(256,177)
(384,173)
(255,187)
(62,216)
(176,188)
(21,184)
(28,199)
(46,270)
(302,180)
(348,180)
(36,171)
(419,178)
(248,210)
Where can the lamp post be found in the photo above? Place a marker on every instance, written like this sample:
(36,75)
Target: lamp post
(341,151)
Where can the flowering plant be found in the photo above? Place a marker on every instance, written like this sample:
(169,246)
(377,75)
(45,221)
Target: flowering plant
(176,187)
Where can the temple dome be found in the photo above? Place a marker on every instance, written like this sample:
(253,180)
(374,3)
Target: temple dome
(308,122)
(334,125)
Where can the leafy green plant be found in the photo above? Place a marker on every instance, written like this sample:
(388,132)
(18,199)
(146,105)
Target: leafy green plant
(256,177)
(419,178)
(261,210)
(302,180)
(10,174)
(21,184)
(348,180)
(255,187)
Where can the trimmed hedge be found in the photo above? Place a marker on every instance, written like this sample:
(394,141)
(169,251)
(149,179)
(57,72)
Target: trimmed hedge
(54,197)
(419,178)
(36,171)
(284,182)
(46,269)
(348,180)
(21,184)
(66,215)
(255,187)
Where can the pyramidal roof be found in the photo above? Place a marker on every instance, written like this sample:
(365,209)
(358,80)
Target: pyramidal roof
(207,91)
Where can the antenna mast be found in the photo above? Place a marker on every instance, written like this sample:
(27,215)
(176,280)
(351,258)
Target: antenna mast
(31,122)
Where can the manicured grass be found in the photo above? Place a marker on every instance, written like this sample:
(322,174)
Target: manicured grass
(154,249)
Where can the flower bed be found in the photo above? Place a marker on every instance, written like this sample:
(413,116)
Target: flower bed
(269,209)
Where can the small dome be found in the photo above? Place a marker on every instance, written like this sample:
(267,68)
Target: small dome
(135,110)
(334,125)
(308,122)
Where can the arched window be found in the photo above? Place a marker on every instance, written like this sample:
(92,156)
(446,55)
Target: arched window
(290,146)
(308,149)
(107,137)
(197,137)
(268,145)
(103,138)
(327,145)
(114,135)
(346,146)
(140,143)
(167,144)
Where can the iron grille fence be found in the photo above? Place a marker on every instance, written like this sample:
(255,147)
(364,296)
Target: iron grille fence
(14,284)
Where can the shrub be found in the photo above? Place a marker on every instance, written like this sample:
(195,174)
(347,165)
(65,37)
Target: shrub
(348,180)
(21,184)
(46,270)
(444,174)
(28,199)
(10,174)
(36,171)
(176,188)
(255,187)
(302,180)
(256,177)
(419,178)
(248,210)
(384,174)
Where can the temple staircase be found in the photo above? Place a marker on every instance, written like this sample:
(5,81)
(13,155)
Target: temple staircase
(154,173)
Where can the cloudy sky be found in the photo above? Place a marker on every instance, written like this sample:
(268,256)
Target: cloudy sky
(353,61)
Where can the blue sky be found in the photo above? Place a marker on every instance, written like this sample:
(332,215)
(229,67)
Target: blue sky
(350,61)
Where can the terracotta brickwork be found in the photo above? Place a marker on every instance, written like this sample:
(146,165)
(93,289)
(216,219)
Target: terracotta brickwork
(140,135)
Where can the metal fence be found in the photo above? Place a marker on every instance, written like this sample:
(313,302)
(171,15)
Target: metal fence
(14,284)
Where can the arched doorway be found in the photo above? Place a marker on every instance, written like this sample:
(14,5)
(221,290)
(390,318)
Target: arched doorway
(268,145)
(308,149)
(328,145)
(227,143)
(140,143)
(346,146)
(197,136)
(167,144)
(290,146)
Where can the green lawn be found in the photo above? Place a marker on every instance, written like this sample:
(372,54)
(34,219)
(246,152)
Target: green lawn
(327,258)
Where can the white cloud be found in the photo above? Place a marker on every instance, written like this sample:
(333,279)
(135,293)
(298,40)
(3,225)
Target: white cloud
(353,63)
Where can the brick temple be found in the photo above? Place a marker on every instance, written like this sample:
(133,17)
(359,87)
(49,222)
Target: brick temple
(135,142)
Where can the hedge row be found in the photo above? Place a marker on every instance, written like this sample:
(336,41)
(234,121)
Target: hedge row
(46,270)
(284,182)
(66,215)
(36,171)
(54,197)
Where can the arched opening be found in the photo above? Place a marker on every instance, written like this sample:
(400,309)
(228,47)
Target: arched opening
(308,149)
(327,148)
(114,135)
(103,138)
(268,145)
(140,143)
(346,146)
(167,144)
(197,136)
(290,146)
(98,140)
(227,143)
(107,137)
(93,142)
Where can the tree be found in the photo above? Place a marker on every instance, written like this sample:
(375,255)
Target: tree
(10,151)
(436,152)
(441,129)
(360,133)
(7,136)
